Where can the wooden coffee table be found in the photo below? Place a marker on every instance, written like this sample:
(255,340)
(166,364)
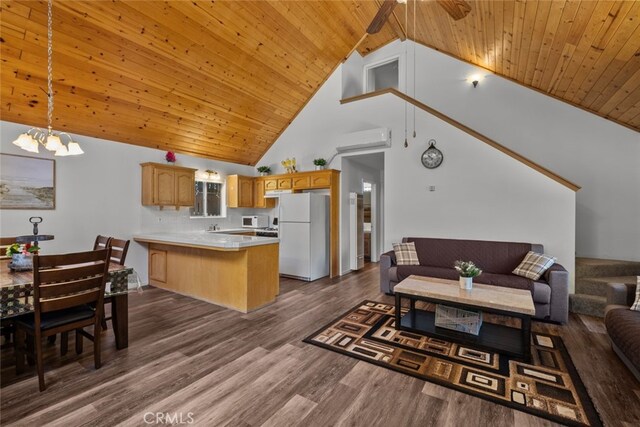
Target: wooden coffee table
(517,303)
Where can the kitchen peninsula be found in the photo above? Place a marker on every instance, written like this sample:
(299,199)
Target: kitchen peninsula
(234,271)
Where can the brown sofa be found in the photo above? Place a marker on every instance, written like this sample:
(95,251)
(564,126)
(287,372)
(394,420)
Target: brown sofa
(496,259)
(623,325)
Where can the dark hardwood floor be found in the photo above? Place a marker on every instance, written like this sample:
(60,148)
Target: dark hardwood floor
(226,368)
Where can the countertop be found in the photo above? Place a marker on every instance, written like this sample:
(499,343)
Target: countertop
(205,239)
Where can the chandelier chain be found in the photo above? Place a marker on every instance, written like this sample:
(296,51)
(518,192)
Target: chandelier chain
(49,65)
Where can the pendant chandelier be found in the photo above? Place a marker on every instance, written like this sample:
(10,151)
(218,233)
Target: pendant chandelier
(34,137)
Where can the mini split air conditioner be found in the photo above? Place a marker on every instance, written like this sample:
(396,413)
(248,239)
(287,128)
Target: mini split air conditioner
(365,140)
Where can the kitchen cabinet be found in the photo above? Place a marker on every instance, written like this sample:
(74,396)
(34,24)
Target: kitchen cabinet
(167,185)
(301,182)
(270,184)
(239,191)
(284,183)
(321,179)
(259,201)
(158,265)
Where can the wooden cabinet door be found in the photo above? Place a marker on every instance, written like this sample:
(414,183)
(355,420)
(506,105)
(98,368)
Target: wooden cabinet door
(284,183)
(321,180)
(270,184)
(158,265)
(164,187)
(258,198)
(245,192)
(301,182)
(185,188)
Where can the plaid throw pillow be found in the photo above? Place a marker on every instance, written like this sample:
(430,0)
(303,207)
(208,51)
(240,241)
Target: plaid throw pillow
(534,265)
(406,254)
(636,304)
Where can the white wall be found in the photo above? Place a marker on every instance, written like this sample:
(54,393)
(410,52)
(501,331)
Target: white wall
(99,193)
(481,193)
(597,154)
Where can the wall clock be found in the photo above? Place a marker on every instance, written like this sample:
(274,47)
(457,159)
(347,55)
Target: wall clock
(432,157)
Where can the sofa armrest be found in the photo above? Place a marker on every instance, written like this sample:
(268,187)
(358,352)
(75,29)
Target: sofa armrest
(392,255)
(621,294)
(387,260)
(558,279)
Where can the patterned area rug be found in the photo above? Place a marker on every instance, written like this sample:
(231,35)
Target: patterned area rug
(548,387)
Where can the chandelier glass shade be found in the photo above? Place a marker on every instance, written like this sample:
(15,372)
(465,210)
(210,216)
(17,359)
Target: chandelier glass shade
(32,139)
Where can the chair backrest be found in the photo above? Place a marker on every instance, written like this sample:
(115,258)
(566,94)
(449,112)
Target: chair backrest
(69,280)
(119,250)
(102,242)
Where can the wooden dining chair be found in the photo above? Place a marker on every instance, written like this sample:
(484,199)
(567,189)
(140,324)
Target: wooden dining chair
(119,249)
(68,296)
(102,242)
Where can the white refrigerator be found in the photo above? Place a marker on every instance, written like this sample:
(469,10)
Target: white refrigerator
(304,235)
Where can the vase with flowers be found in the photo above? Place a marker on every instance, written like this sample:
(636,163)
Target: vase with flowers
(22,255)
(170,157)
(467,270)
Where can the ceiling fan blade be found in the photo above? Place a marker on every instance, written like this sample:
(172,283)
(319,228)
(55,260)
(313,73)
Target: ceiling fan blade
(458,9)
(381,17)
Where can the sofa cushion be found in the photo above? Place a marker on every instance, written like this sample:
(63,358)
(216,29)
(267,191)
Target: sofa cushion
(491,257)
(623,326)
(534,265)
(405,271)
(505,280)
(541,292)
(508,281)
(406,254)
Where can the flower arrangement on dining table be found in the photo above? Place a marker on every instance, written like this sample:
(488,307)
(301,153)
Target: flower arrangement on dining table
(18,249)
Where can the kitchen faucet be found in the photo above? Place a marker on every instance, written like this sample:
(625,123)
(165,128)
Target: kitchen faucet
(213,227)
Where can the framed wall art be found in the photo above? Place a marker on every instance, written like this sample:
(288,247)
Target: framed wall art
(27,182)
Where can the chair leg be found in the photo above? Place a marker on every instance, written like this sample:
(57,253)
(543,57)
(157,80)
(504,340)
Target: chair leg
(78,342)
(64,343)
(104,322)
(19,344)
(30,346)
(40,362)
(96,346)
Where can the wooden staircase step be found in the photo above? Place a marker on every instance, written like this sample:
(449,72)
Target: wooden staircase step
(598,285)
(594,267)
(592,305)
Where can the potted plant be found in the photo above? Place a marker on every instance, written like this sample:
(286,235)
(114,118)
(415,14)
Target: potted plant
(320,163)
(467,270)
(264,170)
(22,255)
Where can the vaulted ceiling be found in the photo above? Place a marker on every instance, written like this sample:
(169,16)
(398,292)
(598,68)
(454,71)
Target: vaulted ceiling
(585,52)
(223,79)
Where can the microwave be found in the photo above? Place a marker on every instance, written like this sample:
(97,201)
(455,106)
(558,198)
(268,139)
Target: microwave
(255,221)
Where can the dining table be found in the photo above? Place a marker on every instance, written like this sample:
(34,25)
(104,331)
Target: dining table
(16,297)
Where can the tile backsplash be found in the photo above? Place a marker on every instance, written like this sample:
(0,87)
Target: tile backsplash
(154,219)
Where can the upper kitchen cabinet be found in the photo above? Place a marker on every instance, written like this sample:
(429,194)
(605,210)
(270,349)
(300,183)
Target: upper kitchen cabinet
(167,185)
(259,201)
(239,191)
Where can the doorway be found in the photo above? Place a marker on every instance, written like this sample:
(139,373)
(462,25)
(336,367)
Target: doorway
(362,175)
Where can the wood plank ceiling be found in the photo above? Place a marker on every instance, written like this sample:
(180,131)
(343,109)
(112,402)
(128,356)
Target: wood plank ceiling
(213,79)
(223,79)
(583,52)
